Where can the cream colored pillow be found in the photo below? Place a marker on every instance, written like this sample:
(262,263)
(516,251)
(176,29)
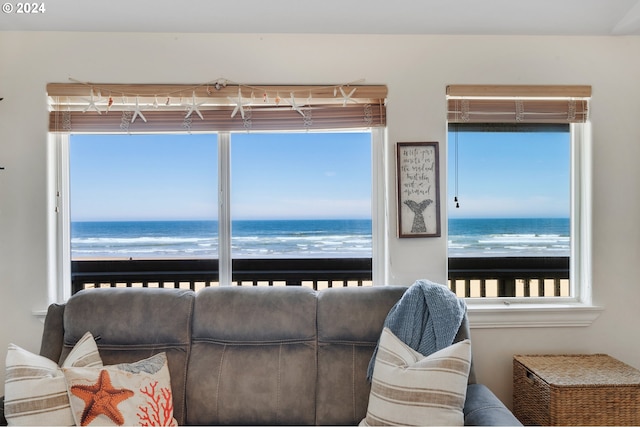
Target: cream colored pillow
(35,390)
(136,393)
(408,388)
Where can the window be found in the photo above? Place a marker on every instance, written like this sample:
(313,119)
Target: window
(163,207)
(517,192)
(152,200)
(509,208)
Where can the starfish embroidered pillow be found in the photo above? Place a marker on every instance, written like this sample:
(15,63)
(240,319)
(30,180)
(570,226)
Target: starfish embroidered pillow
(136,393)
(35,389)
(408,388)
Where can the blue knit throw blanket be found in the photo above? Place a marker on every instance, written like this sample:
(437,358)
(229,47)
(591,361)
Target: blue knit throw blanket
(426,318)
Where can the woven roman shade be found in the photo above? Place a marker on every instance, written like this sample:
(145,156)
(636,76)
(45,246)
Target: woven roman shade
(517,104)
(89,107)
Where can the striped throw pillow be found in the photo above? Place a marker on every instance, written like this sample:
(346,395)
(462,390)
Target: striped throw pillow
(35,389)
(408,388)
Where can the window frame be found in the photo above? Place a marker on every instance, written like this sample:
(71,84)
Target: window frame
(59,242)
(514,262)
(578,309)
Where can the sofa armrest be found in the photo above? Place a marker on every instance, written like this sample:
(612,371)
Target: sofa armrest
(3,420)
(483,408)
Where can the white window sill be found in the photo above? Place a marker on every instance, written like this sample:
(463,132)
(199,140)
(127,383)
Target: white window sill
(531,315)
(484,315)
(40,314)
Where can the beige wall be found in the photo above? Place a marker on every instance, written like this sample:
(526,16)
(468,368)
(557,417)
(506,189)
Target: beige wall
(416,70)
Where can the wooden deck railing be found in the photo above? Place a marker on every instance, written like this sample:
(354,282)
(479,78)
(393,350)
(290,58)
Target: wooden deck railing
(468,277)
(316,273)
(509,276)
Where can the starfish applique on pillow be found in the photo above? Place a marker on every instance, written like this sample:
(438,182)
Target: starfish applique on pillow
(101,398)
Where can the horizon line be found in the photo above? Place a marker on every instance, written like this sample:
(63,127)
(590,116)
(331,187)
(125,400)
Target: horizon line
(305,219)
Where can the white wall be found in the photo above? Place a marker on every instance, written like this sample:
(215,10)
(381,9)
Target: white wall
(416,70)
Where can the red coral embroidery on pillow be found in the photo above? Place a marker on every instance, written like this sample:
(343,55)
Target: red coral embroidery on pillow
(159,406)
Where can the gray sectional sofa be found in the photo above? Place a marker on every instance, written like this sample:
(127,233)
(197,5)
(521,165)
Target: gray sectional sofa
(250,355)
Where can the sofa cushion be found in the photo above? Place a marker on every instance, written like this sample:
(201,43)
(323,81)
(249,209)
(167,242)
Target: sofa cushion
(411,389)
(131,324)
(36,393)
(349,324)
(483,408)
(253,359)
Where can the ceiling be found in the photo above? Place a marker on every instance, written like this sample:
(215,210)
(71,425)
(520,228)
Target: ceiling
(465,17)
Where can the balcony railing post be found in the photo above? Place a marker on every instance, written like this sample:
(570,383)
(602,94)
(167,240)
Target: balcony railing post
(507,287)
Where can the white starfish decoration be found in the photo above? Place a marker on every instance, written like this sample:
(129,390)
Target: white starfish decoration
(294,105)
(92,104)
(194,107)
(346,98)
(137,113)
(240,104)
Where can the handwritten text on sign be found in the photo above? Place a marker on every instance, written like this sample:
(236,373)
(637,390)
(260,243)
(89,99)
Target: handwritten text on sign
(417,171)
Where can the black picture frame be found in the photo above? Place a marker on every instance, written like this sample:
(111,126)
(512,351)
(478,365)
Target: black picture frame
(418,178)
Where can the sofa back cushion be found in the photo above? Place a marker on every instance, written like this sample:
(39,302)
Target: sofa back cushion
(253,358)
(350,321)
(131,324)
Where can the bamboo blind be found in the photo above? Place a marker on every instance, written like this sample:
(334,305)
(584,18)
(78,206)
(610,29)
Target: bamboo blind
(517,104)
(166,107)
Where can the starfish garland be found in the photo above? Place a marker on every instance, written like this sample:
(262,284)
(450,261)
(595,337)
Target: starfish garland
(295,106)
(137,112)
(240,104)
(346,98)
(194,107)
(101,399)
(92,104)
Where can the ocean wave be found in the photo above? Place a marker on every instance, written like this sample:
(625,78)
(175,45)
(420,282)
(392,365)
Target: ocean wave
(141,240)
(308,239)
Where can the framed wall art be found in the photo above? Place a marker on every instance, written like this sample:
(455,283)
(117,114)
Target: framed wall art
(418,189)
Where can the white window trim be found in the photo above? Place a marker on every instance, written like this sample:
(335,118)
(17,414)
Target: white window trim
(224,209)
(379,217)
(577,311)
(59,245)
(528,315)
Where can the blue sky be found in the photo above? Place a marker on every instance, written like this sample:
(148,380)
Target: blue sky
(274,176)
(301,175)
(510,175)
(304,175)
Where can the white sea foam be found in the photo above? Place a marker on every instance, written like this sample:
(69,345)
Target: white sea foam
(308,239)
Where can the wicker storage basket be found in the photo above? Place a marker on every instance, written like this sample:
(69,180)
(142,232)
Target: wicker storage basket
(575,390)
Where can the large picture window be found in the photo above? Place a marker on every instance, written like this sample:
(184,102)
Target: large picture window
(151,199)
(155,196)
(190,186)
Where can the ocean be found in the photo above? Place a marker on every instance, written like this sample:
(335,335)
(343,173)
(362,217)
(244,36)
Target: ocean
(307,238)
(501,237)
(199,239)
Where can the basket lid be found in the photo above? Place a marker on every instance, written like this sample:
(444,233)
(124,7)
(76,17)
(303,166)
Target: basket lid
(581,370)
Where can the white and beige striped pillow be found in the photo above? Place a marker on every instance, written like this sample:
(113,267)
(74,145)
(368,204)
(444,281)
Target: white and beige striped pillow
(408,388)
(35,388)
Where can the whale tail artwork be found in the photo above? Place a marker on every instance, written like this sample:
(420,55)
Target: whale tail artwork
(418,225)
